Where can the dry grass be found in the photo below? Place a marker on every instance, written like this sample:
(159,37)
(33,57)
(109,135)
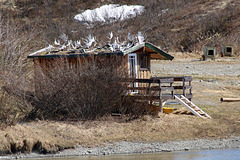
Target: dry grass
(51,136)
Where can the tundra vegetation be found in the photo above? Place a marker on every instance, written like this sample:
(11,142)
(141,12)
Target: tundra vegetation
(26,26)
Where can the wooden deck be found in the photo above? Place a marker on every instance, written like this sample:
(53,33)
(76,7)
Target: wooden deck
(160,88)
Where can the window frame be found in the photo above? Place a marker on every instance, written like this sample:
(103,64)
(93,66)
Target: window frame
(144,61)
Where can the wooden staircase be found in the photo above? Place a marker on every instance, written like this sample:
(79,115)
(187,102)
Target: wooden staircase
(191,107)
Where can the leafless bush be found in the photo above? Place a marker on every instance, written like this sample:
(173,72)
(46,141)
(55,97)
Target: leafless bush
(14,73)
(12,109)
(92,90)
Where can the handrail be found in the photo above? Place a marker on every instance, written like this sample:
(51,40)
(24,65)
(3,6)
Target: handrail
(162,85)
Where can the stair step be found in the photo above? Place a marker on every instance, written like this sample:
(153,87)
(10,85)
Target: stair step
(191,107)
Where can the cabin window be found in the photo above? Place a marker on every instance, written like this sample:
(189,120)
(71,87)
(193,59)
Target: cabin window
(144,61)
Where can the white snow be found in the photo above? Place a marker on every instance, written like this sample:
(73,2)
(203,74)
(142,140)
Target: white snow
(109,13)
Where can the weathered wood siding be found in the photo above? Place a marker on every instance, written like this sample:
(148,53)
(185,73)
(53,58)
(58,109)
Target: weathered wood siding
(44,65)
(143,73)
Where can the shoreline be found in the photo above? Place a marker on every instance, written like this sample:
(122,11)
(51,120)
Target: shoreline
(119,148)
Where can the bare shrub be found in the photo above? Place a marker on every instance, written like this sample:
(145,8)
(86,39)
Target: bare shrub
(14,74)
(92,90)
(12,109)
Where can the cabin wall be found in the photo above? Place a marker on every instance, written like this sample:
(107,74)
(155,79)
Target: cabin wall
(143,73)
(37,66)
(42,66)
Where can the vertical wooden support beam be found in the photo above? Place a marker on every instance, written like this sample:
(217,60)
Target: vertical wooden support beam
(160,97)
(190,89)
(148,89)
(184,86)
(160,90)
(172,93)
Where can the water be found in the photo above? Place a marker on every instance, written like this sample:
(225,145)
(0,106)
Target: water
(189,155)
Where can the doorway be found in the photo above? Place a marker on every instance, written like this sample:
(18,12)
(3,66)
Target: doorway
(132,66)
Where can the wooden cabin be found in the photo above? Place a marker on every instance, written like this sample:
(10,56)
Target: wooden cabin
(136,60)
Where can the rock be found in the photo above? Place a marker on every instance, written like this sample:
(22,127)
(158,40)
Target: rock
(211,80)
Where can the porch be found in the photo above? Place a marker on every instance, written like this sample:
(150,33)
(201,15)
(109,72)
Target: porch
(160,89)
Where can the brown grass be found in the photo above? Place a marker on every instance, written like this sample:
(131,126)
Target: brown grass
(51,136)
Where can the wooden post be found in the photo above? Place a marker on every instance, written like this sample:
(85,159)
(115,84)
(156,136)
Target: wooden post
(160,97)
(190,85)
(230,99)
(172,90)
(161,104)
(160,90)
(148,89)
(184,88)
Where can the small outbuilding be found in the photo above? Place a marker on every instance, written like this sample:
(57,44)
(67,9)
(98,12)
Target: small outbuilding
(227,50)
(136,59)
(209,52)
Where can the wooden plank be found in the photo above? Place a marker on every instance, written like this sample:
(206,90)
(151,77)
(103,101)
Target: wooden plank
(164,97)
(161,79)
(230,99)
(181,87)
(187,78)
(151,88)
(156,97)
(166,80)
(163,88)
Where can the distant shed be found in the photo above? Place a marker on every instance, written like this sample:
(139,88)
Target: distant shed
(209,52)
(227,50)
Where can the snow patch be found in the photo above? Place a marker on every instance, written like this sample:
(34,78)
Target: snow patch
(109,13)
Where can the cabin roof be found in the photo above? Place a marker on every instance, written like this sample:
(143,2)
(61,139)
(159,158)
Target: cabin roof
(152,49)
(53,52)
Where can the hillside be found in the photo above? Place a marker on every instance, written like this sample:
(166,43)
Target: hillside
(181,27)
(174,25)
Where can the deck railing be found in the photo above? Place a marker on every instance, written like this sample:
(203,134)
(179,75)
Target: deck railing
(160,88)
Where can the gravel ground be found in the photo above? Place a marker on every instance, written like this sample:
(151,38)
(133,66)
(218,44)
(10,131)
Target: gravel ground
(187,67)
(137,147)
